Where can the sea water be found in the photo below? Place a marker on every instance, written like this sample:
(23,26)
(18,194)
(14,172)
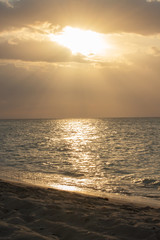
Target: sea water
(104,156)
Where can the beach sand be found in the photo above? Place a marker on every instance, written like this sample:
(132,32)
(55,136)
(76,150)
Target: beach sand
(36,213)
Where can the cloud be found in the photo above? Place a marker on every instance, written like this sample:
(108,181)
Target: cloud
(138,16)
(38,51)
(7,3)
(155,51)
(153,0)
(34,51)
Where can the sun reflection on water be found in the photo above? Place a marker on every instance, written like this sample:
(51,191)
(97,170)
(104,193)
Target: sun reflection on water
(65,187)
(82,164)
(79,135)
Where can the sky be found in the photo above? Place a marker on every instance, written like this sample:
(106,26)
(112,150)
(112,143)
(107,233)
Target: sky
(79,58)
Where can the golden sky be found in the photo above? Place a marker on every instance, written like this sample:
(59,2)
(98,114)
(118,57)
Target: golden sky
(79,58)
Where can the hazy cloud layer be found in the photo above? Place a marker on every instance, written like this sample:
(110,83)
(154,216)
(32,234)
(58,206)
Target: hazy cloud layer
(138,16)
(65,91)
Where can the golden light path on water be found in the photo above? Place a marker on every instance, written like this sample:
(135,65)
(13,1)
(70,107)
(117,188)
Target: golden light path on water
(84,161)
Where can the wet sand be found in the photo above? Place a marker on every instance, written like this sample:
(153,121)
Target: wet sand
(35,213)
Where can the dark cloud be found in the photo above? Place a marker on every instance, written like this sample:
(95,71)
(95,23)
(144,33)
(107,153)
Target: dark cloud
(138,16)
(37,51)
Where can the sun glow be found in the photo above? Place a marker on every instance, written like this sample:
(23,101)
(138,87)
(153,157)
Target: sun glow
(85,42)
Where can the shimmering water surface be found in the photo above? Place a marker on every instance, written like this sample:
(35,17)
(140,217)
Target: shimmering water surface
(118,156)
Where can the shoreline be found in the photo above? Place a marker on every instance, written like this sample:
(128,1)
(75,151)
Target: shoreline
(35,213)
(126,199)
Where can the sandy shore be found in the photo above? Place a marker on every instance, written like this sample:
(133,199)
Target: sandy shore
(35,213)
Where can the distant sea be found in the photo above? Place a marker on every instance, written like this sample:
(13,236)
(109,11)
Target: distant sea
(118,157)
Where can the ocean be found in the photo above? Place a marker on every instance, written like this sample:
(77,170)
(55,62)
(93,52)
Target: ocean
(119,157)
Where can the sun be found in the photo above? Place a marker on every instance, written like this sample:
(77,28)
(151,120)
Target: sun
(81,41)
